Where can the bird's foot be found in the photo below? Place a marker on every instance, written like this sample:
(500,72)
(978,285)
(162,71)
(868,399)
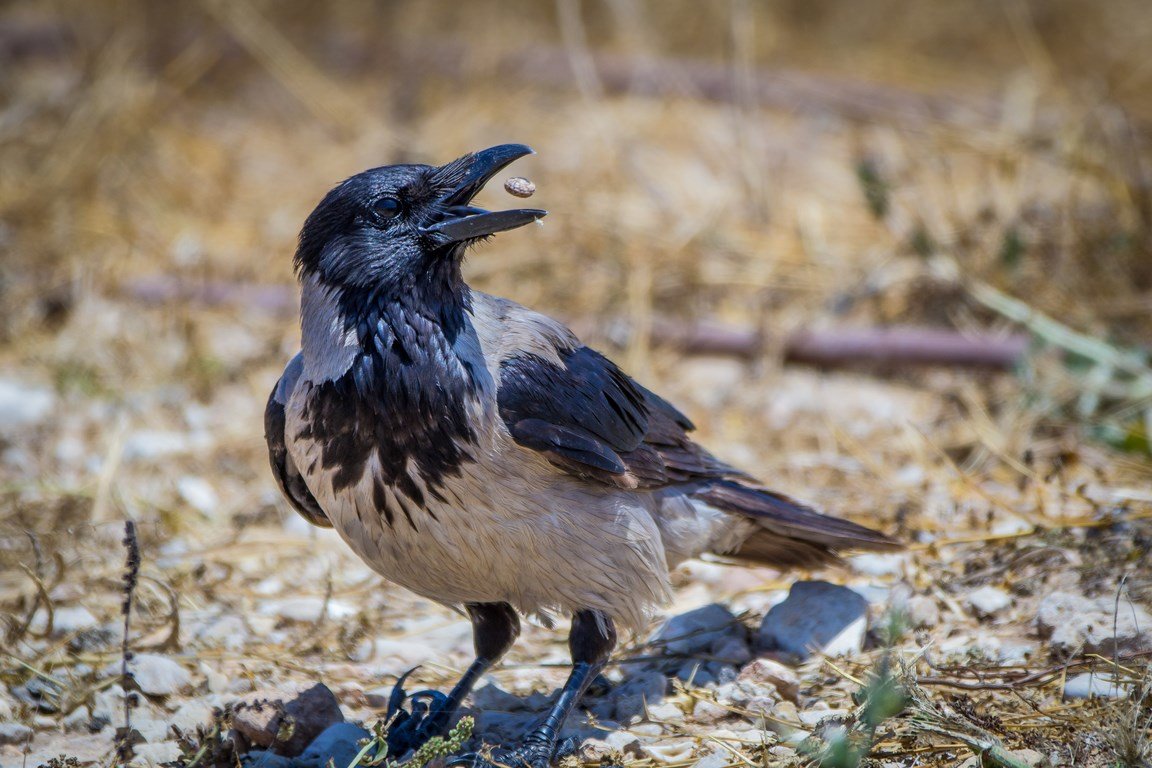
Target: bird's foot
(531,754)
(427,715)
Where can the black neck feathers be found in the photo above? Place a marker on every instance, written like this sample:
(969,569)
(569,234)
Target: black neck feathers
(404,397)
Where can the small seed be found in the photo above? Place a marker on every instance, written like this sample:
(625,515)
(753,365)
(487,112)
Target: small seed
(519,186)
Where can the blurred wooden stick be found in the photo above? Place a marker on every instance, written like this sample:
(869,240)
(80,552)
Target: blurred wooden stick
(831,348)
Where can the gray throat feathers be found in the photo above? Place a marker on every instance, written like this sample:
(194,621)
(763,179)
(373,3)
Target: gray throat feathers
(329,349)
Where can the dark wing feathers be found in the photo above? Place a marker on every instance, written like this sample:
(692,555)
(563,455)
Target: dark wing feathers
(791,519)
(589,418)
(287,475)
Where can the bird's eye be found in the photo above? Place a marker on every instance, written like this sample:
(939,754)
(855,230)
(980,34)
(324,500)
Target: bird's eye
(386,207)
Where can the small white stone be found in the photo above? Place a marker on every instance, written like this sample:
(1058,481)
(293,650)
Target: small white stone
(199,494)
(717,758)
(813,717)
(217,680)
(191,714)
(157,754)
(65,620)
(1088,685)
(709,712)
(306,609)
(23,405)
(226,631)
(988,601)
(157,675)
(664,711)
(874,564)
(850,641)
(782,678)
(923,611)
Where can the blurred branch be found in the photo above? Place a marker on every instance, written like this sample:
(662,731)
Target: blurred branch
(654,76)
(894,346)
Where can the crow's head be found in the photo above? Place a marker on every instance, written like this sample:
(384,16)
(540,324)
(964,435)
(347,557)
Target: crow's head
(405,224)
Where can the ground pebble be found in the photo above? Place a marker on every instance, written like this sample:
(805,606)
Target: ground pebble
(65,620)
(782,678)
(1089,685)
(157,754)
(815,615)
(717,758)
(923,611)
(518,186)
(1072,622)
(15,733)
(22,405)
(158,675)
(709,712)
(258,716)
(988,601)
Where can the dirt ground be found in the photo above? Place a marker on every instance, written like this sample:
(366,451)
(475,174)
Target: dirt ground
(769,169)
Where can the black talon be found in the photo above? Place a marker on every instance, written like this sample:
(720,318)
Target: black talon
(427,714)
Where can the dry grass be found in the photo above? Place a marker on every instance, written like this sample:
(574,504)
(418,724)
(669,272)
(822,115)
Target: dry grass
(853,164)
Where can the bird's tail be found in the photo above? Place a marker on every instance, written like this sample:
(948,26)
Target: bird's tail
(789,533)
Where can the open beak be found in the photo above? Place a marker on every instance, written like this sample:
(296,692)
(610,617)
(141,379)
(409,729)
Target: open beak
(459,220)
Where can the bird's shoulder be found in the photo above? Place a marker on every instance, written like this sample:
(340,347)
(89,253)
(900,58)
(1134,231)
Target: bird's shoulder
(284,469)
(576,407)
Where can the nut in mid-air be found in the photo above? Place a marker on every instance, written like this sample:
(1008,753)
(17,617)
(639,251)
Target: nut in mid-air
(518,186)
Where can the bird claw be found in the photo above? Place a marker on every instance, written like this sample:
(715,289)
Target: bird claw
(427,716)
(531,754)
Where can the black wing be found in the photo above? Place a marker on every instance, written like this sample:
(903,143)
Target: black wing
(287,476)
(589,418)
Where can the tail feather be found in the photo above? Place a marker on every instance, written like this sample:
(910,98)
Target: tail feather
(791,533)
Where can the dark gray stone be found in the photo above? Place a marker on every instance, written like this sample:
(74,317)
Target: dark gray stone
(697,631)
(813,614)
(338,743)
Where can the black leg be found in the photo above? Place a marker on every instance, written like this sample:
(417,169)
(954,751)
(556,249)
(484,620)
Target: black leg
(591,642)
(495,627)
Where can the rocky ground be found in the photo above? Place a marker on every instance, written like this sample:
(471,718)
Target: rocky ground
(1028,629)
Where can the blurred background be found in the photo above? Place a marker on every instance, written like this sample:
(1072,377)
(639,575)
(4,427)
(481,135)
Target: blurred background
(731,184)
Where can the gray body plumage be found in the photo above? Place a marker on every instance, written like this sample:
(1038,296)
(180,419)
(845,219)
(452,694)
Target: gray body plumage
(513,528)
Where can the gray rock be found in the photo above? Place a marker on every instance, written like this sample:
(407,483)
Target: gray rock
(1089,685)
(1070,622)
(639,690)
(988,601)
(711,633)
(258,718)
(337,742)
(15,733)
(696,631)
(816,615)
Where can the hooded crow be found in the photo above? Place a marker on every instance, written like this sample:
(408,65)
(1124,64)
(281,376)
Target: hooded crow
(476,453)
